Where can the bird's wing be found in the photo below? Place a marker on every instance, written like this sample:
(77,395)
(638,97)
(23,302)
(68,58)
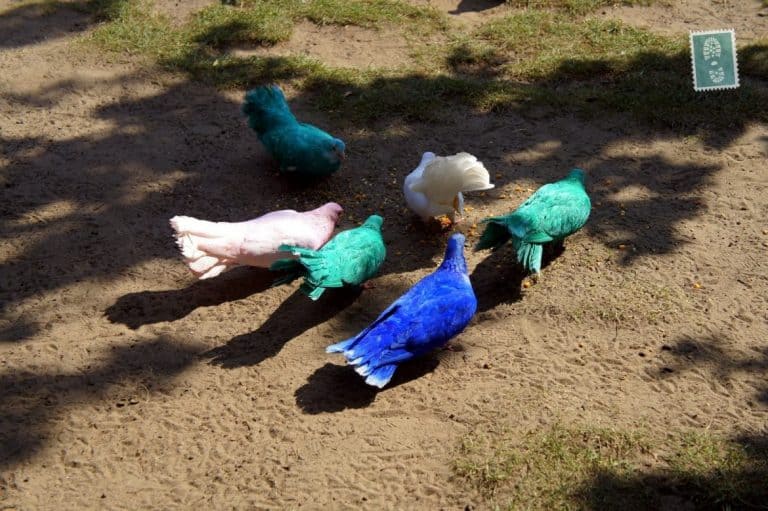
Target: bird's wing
(362,259)
(556,212)
(428,319)
(416,201)
(265,234)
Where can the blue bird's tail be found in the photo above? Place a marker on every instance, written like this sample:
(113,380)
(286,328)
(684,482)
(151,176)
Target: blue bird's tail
(266,107)
(377,377)
(372,356)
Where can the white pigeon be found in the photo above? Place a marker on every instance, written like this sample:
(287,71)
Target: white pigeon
(209,248)
(435,187)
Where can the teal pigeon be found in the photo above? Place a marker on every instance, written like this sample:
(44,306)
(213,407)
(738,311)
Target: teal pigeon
(300,149)
(553,212)
(350,258)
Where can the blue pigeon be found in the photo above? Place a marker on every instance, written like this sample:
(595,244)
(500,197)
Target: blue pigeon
(426,317)
(300,149)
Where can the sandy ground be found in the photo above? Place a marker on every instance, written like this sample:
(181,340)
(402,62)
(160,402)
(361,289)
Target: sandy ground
(126,384)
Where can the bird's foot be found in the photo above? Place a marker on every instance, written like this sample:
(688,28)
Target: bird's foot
(368,285)
(532,280)
(450,347)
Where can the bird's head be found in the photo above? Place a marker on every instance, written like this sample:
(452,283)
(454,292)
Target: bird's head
(454,254)
(577,174)
(374,222)
(426,158)
(332,210)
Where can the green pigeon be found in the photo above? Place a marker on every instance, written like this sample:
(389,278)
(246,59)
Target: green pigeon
(350,258)
(553,212)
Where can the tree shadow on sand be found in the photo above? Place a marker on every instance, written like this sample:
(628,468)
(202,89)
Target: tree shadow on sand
(295,316)
(498,278)
(146,307)
(737,483)
(30,402)
(475,6)
(707,353)
(335,388)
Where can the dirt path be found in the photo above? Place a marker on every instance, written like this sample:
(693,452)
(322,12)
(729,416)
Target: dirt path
(125,384)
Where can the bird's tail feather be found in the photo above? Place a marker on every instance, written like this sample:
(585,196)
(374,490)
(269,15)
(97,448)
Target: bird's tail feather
(203,264)
(292,266)
(494,236)
(500,229)
(314,269)
(475,176)
(266,107)
(312,291)
(529,255)
(341,347)
(381,375)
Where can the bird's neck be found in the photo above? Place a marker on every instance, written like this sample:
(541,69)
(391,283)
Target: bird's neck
(454,258)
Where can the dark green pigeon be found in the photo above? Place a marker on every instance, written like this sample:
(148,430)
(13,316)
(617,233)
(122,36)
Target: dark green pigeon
(553,212)
(350,258)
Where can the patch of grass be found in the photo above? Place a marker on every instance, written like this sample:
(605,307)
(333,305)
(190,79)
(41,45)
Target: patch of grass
(577,7)
(134,28)
(534,44)
(591,468)
(105,10)
(717,470)
(536,57)
(372,13)
(266,22)
(544,467)
(261,22)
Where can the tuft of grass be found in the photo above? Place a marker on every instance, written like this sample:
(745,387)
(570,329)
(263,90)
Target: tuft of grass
(575,7)
(591,468)
(134,28)
(544,468)
(265,23)
(373,13)
(535,44)
(720,471)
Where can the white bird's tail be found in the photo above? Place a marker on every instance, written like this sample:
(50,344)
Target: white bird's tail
(446,176)
(205,246)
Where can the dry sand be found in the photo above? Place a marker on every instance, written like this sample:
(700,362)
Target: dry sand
(126,384)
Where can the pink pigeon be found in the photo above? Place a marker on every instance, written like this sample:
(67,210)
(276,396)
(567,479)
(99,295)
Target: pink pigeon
(209,248)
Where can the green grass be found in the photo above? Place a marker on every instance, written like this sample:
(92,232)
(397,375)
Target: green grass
(372,13)
(576,7)
(536,57)
(535,44)
(545,468)
(591,468)
(134,28)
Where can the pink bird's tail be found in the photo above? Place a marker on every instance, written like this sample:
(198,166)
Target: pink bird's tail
(204,245)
